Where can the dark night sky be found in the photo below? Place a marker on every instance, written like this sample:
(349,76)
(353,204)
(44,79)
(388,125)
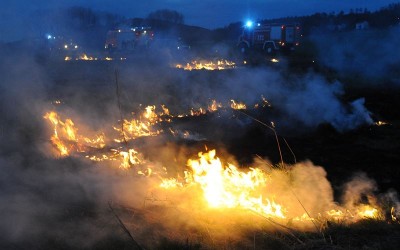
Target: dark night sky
(205,13)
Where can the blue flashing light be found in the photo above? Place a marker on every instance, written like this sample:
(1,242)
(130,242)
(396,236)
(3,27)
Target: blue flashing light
(49,37)
(249,24)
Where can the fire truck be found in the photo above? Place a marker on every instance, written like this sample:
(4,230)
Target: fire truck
(269,38)
(129,39)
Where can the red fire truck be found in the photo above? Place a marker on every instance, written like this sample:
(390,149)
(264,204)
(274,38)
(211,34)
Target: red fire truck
(129,39)
(269,38)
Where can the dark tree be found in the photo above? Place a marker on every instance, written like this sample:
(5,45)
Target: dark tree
(167,15)
(82,18)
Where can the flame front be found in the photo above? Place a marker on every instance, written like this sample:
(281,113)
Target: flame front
(221,186)
(227,187)
(207,65)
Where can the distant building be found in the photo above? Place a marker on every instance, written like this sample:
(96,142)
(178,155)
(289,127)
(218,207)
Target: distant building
(362,25)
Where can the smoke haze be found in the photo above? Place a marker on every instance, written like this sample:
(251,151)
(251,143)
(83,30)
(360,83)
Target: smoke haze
(51,202)
(369,55)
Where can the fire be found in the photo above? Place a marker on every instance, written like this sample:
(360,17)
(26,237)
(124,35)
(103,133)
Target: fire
(85,57)
(140,127)
(165,110)
(221,186)
(197,112)
(207,65)
(150,114)
(214,106)
(227,187)
(361,211)
(131,157)
(65,136)
(236,105)
(170,183)
(134,129)
(367,211)
(66,130)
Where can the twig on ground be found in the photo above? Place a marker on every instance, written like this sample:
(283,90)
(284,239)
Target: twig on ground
(124,228)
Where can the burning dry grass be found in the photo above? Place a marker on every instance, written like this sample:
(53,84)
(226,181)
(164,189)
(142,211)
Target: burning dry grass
(85,57)
(61,201)
(292,197)
(207,65)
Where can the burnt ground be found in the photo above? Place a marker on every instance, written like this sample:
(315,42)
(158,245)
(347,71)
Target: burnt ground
(371,149)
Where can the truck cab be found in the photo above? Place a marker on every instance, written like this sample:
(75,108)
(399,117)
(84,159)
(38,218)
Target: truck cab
(269,38)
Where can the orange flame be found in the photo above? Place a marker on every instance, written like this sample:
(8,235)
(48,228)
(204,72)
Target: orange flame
(214,106)
(207,65)
(65,133)
(236,105)
(227,187)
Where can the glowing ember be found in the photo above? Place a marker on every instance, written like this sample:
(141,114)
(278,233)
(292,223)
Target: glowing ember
(393,214)
(265,102)
(381,123)
(274,60)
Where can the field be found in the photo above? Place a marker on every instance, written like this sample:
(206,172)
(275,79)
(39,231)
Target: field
(323,142)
